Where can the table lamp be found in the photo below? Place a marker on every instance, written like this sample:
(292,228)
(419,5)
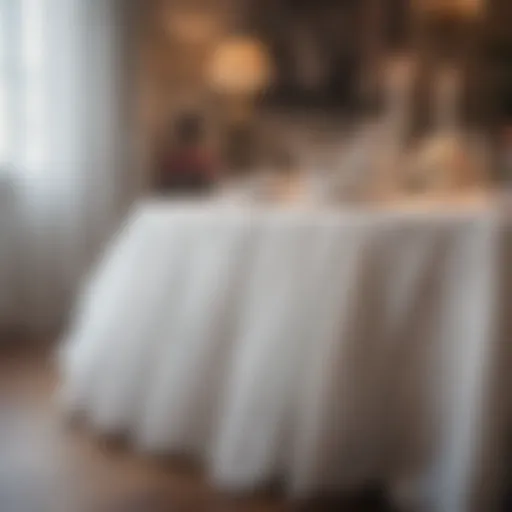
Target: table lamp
(240,69)
(451,33)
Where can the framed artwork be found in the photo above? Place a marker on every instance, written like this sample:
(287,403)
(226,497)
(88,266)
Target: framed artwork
(318,48)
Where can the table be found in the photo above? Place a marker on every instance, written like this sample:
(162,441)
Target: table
(324,348)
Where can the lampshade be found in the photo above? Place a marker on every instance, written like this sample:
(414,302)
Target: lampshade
(240,66)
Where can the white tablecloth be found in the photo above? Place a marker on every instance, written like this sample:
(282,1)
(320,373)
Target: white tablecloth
(326,348)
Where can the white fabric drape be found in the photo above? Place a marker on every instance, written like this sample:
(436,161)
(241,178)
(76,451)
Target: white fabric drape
(64,147)
(322,348)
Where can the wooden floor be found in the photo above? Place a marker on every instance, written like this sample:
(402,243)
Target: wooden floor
(47,466)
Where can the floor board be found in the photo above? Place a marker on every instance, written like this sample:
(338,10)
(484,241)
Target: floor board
(48,466)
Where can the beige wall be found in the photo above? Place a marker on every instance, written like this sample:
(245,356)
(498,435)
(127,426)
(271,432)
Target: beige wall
(170,67)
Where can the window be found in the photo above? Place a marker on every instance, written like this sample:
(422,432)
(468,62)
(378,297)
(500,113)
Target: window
(22,87)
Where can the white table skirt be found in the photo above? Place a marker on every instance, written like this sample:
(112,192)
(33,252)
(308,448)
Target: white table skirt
(325,349)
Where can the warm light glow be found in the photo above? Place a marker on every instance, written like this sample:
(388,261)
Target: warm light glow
(191,26)
(450,8)
(240,66)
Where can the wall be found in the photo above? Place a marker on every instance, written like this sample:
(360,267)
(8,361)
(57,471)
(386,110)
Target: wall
(171,65)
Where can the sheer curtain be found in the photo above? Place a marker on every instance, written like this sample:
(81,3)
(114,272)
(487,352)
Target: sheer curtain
(64,147)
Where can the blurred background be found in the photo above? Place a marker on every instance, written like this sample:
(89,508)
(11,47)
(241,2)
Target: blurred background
(107,102)
(104,102)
